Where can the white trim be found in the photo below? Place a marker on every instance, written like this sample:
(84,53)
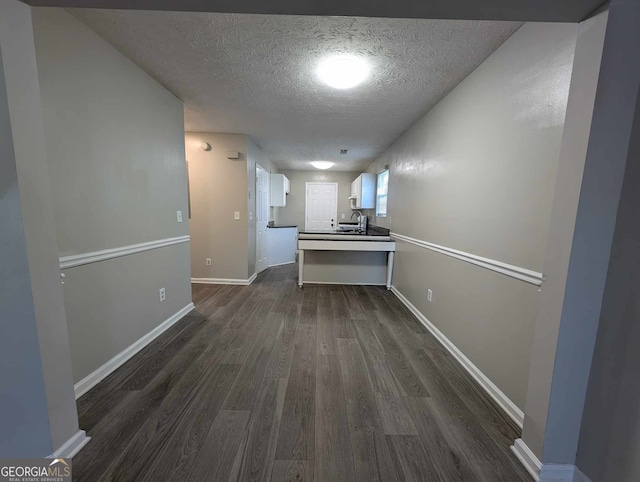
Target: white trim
(498,396)
(306,203)
(523,274)
(95,256)
(282,264)
(339,283)
(546,472)
(225,281)
(72,446)
(95,377)
(562,473)
(527,458)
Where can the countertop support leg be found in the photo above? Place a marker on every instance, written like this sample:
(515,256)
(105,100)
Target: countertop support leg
(300,266)
(389,268)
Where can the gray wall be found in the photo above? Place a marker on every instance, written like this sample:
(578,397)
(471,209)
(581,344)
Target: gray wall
(293,212)
(477,174)
(219,187)
(590,297)
(610,434)
(573,153)
(115,145)
(44,289)
(23,404)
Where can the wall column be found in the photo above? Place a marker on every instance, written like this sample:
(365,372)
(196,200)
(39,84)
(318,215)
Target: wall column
(35,284)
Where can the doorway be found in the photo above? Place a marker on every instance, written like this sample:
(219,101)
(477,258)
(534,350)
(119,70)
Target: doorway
(262,218)
(321,206)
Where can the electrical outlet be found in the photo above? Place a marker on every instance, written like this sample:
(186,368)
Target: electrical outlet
(208,261)
(179,216)
(429,296)
(163,294)
(250,215)
(342,216)
(236,215)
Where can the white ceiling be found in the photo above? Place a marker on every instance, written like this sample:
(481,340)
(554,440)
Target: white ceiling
(255,74)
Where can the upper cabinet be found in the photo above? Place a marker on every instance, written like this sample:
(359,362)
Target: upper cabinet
(280,187)
(363,191)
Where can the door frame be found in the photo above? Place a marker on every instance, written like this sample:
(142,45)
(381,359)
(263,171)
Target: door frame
(306,199)
(268,200)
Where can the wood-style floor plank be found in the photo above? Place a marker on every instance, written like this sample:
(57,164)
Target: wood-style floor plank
(255,460)
(220,446)
(273,382)
(293,471)
(333,456)
(412,459)
(393,412)
(371,454)
(297,430)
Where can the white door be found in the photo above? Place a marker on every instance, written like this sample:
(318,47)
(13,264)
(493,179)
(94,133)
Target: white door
(321,209)
(262,218)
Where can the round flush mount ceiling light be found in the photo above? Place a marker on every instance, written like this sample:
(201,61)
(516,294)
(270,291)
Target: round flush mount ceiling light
(322,164)
(343,71)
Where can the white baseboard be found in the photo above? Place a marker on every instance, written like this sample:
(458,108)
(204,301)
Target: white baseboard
(341,283)
(546,472)
(281,264)
(225,281)
(95,377)
(527,458)
(494,392)
(71,446)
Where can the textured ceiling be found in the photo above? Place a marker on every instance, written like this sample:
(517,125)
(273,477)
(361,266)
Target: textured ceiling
(255,74)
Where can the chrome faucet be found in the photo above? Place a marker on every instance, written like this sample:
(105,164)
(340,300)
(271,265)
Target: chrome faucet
(362,219)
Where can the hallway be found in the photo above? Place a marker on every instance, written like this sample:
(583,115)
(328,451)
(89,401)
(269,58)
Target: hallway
(269,382)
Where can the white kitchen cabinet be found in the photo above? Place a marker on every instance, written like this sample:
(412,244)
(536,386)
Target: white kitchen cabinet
(280,187)
(283,243)
(363,191)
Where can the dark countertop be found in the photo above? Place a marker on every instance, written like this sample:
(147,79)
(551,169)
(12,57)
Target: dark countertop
(372,231)
(282,226)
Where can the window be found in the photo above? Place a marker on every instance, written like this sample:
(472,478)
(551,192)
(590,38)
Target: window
(382,193)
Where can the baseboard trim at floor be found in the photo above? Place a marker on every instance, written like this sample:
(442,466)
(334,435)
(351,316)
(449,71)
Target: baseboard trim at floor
(527,458)
(338,283)
(494,392)
(72,446)
(225,281)
(95,377)
(281,264)
(562,473)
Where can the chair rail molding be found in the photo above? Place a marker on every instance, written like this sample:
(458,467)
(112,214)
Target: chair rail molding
(522,274)
(74,260)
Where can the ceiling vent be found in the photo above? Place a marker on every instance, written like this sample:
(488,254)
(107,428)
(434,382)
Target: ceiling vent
(343,151)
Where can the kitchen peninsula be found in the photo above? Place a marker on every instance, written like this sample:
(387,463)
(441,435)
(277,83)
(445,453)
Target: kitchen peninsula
(346,257)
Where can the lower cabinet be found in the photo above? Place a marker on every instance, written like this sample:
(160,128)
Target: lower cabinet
(282,245)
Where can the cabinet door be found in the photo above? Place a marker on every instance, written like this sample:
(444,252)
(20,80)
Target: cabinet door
(278,194)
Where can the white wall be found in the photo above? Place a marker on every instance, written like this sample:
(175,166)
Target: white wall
(477,174)
(115,146)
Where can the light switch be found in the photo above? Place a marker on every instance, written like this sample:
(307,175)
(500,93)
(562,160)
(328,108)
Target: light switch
(179,216)
(236,215)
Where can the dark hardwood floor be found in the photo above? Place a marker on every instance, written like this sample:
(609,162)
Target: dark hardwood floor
(271,382)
